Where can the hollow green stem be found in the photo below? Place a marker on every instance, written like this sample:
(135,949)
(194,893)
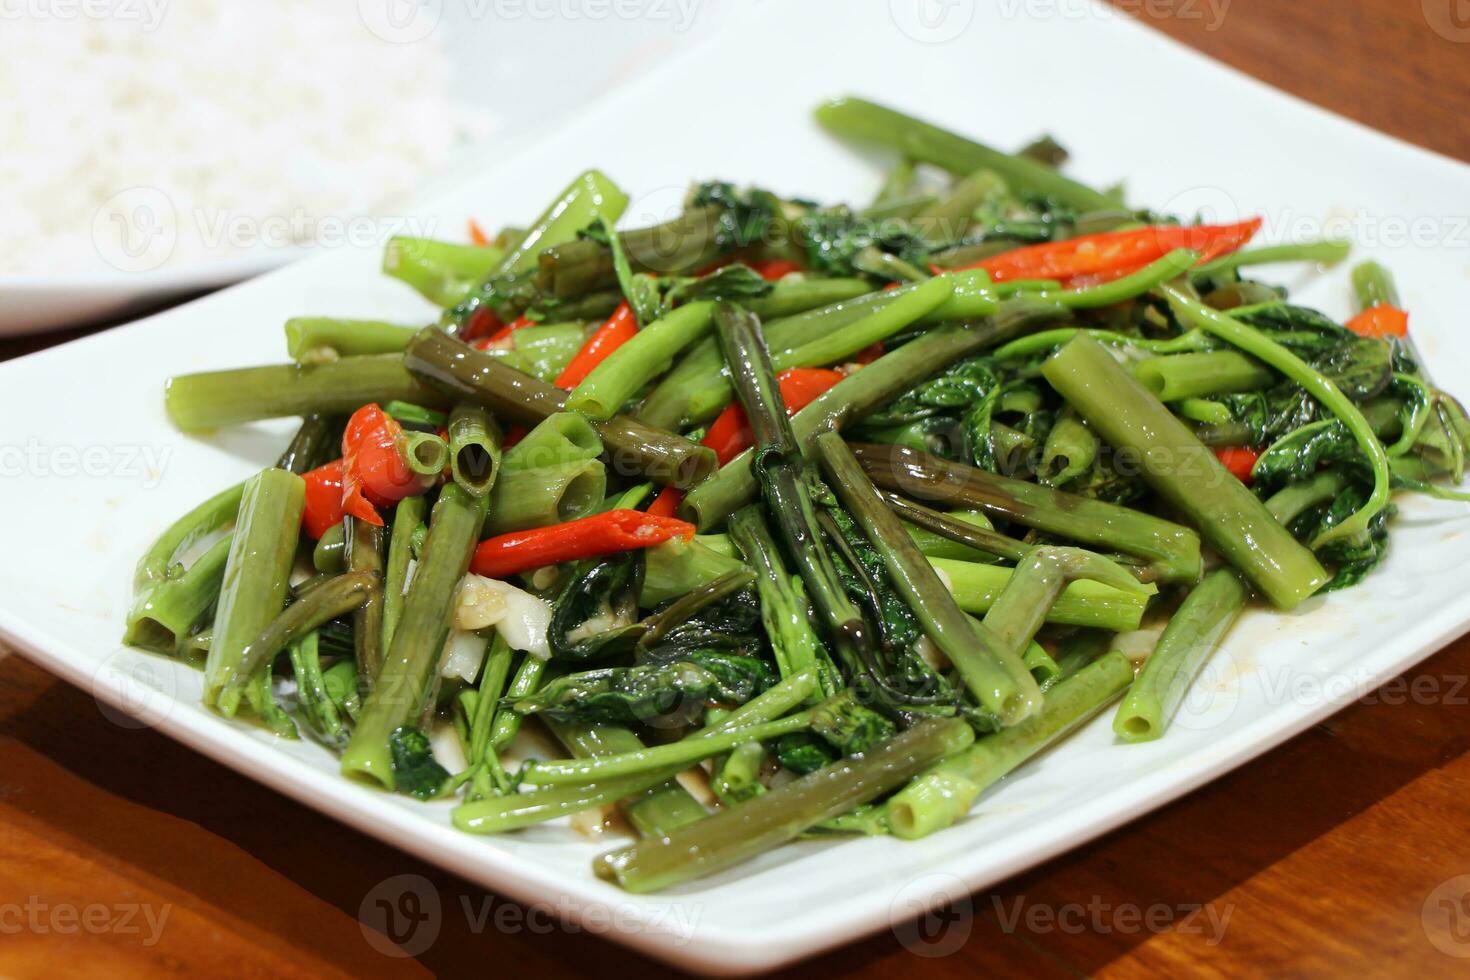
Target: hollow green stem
(868,122)
(1316,384)
(943,794)
(346,338)
(337,597)
(1202,375)
(771,819)
(412,663)
(524,809)
(1328,252)
(1184,472)
(1174,550)
(253,590)
(647,354)
(215,399)
(632,447)
(991,670)
(685,752)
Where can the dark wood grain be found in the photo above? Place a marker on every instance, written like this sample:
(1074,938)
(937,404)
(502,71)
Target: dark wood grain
(1320,858)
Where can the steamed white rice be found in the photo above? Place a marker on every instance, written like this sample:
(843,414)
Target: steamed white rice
(172,132)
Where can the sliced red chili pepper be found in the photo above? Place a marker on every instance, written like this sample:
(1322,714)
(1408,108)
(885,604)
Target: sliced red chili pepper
(601,534)
(773,269)
(477,234)
(868,355)
(1240,461)
(481,323)
(730,435)
(1380,321)
(666,504)
(1118,250)
(323,499)
(375,473)
(619,328)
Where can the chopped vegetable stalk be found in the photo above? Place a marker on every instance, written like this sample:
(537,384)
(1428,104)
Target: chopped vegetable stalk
(993,671)
(1184,472)
(1320,387)
(772,819)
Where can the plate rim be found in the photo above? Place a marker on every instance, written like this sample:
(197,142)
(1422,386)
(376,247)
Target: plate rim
(718,950)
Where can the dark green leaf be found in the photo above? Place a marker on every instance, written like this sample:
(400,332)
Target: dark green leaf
(415,771)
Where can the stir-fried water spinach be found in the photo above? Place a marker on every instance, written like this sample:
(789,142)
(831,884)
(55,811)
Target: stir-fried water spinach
(835,506)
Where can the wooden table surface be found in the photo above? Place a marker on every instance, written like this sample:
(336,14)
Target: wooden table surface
(122,853)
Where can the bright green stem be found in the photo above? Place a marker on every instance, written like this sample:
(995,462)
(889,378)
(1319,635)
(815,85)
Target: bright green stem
(166,611)
(525,809)
(412,662)
(1328,252)
(545,496)
(739,833)
(408,516)
(1373,285)
(1202,375)
(872,329)
(943,794)
(441,272)
(253,591)
(160,562)
(1048,340)
(685,752)
(215,399)
(784,609)
(347,338)
(474,448)
(1194,632)
(1070,450)
(1037,584)
(1196,629)
(1131,286)
(1320,387)
(591,195)
(870,123)
(425,453)
(977,587)
(646,355)
(653,812)
(1184,472)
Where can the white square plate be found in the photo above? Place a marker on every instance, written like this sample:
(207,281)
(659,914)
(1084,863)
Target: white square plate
(93,470)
